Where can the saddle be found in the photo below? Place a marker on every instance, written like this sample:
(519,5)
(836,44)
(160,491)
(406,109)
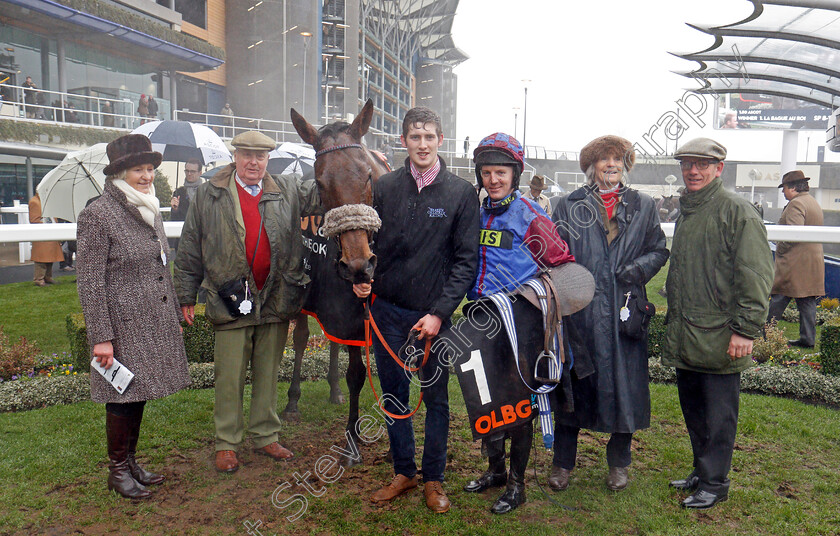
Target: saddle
(568,289)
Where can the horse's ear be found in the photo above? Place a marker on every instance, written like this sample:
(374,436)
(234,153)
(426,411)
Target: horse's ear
(362,122)
(306,131)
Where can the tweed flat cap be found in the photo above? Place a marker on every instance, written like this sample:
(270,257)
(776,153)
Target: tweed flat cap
(793,176)
(607,146)
(253,140)
(701,148)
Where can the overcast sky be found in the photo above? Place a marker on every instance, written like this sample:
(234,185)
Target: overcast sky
(595,67)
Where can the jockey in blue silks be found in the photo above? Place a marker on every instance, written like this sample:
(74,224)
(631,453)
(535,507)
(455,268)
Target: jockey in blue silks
(517,240)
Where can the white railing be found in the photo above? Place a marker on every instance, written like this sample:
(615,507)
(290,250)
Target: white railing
(58,107)
(31,232)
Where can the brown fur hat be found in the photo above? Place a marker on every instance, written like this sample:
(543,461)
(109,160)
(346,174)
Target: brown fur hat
(607,146)
(130,150)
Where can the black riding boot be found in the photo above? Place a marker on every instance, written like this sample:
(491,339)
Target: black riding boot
(118,431)
(521,438)
(140,475)
(495,475)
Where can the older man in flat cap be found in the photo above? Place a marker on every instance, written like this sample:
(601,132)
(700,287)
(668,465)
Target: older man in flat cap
(718,287)
(800,267)
(241,242)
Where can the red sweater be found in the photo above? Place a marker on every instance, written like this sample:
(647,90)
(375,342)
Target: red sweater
(261,263)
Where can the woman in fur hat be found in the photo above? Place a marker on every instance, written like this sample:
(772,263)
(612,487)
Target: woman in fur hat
(613,231)
(129,302)
(503,268)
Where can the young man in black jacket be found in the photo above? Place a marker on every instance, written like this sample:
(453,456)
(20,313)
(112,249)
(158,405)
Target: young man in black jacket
(427,251)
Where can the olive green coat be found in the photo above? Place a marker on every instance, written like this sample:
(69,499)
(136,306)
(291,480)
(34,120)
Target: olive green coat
(211,251)
(718,281)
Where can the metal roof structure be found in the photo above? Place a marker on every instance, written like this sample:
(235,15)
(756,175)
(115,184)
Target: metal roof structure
(62,19)
(785,48)
(415,26)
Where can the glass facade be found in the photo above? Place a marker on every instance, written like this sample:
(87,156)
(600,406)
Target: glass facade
(13,185)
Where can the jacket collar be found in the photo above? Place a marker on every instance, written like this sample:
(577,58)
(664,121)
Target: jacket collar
(222,181)
(691,201)
(438,178)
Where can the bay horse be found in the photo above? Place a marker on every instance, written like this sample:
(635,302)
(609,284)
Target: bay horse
(346,172)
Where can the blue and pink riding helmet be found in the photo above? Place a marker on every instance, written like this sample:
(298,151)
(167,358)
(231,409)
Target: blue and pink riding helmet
(499,149)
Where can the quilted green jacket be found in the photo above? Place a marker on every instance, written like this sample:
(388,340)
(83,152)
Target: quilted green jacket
(718,282)
(211,251)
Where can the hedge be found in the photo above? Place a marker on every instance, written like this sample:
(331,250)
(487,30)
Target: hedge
(199,340)
(72,135)
(830,347)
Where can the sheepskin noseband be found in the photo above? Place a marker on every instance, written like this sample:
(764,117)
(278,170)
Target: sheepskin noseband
(349,218)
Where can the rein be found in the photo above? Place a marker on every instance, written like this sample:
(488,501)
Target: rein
(369,322)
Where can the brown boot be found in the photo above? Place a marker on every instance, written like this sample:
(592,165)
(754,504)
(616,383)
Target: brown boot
(118,431)
(140,475)
(399,485)
(559,479)
(617,478)
(436,499)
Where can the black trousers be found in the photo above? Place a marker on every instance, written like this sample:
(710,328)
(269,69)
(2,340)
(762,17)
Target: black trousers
(710,406)
(565,448)
(807,315)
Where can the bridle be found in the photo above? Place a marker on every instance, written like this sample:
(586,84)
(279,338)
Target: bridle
(350,217)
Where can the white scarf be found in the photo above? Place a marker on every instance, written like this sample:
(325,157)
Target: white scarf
(148,204)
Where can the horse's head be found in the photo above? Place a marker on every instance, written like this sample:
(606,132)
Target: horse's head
(346,172)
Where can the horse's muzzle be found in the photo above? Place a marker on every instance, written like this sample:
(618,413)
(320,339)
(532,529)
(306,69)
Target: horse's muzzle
(357,270)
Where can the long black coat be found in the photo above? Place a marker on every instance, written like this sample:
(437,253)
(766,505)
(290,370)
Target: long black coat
(615,397)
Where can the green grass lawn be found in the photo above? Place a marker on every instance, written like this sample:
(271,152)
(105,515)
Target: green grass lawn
(52,477)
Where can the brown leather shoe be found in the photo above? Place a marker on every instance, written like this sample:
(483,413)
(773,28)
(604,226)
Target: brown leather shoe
(436,499)
(617,479)
(274,450)
(559,478)
(399,485)
(226,461)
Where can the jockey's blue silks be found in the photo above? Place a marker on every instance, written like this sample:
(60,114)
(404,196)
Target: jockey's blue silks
(555,368)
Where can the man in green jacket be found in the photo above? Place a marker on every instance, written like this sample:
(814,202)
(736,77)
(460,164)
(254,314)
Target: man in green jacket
(241,242)
(718,292)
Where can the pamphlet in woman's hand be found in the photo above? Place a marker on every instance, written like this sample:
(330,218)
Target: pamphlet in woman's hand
(118,375)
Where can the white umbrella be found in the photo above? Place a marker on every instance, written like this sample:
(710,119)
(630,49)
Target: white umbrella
(66,189)
(179,141)
(291,158)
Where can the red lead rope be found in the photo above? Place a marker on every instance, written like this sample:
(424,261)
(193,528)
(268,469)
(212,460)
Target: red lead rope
(370,322)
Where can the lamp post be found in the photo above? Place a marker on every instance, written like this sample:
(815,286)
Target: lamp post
(515,119)
(306,37)
(525,117)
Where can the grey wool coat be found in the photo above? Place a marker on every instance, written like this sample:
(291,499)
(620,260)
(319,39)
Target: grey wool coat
(128,298)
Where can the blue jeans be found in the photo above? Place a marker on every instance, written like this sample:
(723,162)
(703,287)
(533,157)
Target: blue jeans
(395,323)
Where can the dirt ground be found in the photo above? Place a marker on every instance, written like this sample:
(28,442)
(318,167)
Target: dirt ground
(257,500)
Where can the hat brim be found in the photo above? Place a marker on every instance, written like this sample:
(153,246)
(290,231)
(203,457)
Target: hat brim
(696,155)
(133,159)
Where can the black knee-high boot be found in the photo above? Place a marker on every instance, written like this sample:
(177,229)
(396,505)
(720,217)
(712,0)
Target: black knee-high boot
(495,475)
(521,439)
(118,431)
(140,475)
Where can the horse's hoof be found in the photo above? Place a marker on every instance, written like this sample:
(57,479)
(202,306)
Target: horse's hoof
(347,461)
(336,397)
(292,415)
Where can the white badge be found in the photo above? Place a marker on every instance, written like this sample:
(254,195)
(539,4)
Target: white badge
(163,257)
(245,307)
(624,312)
(118,375)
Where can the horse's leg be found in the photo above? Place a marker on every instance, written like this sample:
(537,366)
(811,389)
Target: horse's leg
(333,375)
(300,337)
(355,381)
